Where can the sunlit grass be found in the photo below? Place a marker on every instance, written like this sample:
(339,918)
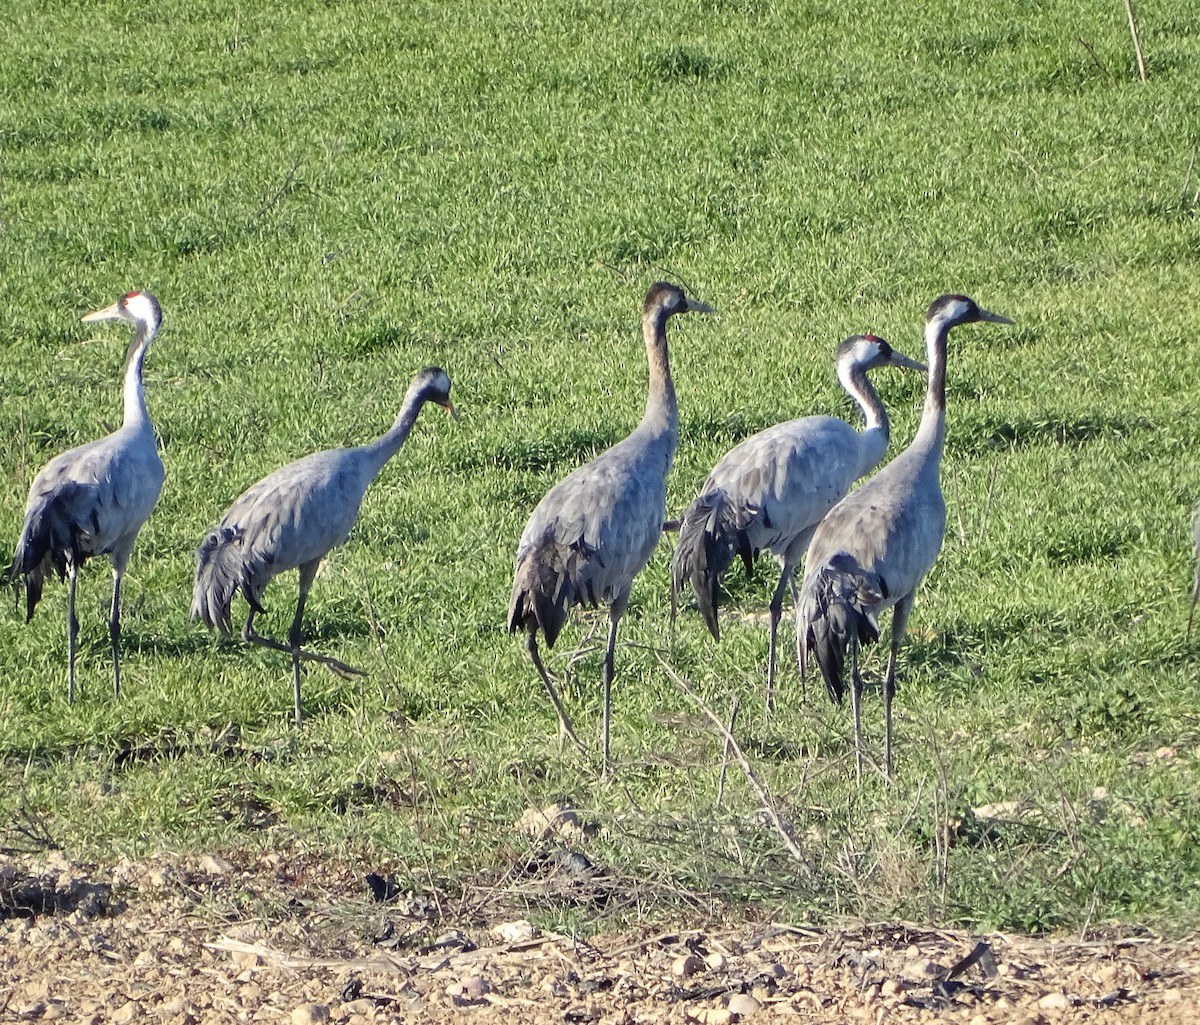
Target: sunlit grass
(327,198)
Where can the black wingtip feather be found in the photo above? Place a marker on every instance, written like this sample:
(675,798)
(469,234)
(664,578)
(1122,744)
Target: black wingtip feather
(709,539)
(838,606)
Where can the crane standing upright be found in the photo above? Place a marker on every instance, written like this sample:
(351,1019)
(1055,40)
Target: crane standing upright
(771,490)
(595,530)
(290,520)
(94,499)
(875,546)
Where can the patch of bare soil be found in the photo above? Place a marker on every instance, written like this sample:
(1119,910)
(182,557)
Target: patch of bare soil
(301,940)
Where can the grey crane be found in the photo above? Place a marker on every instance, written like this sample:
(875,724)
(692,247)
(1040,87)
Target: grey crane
(770,491)
(594,531)
(291,519)
(94,499)
(875,546)
(1196,581)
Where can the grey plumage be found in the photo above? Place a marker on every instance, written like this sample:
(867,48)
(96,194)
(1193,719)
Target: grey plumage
(94,499)
(594,531)
(770,491)
(877,544)
(290,520)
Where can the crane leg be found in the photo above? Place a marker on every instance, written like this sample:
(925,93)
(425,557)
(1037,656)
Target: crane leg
(615,611)
(114,631)
(564,721)
(776,613)
(72,629)
(899,624)
(856,688)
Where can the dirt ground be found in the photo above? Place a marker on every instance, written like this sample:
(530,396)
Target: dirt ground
(301,940)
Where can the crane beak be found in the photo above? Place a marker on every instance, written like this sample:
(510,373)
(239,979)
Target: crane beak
(993,318)
(112,312)
(696,306)
(900,360)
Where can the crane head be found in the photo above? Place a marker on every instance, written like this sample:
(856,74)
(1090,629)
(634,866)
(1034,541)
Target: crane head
(952,310)
(433,385)
(140,308)
(665,299)
(866,352)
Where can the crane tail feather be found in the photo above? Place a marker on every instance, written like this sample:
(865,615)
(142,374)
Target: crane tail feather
(218,579)
(545,588)
(709,539)
(49,541)
(838,605)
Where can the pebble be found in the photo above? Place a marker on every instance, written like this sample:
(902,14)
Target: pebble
(743,1004)
(715,1016)
(890,988)
(716,961)
(471,987)
(685,965)
(1053,1002)
(129,1011)
(519,931)
(310,1014)
(214,866)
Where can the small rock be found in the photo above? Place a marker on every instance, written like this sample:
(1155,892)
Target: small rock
(743,1004)
(890,988)
(1053,1002)
(716,961)
(1172,996)
(541,823)
(715,1016)
(519,931)
(129,1011)
(310,1014)
(685,965)
(473,987)
(214,866)
(54,1011)
(922,968)
(360,1006)
(1166,753)
(775,970)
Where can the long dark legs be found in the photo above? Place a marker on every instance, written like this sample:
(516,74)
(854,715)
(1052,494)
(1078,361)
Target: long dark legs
(564,721)
(72,629)
(776,613)
(114,629)
(899,624)
(308,573)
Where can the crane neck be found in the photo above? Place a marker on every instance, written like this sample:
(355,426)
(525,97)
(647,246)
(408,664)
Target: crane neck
(662,408)
(853,378)
(379,451)
(136,414)
(931,434)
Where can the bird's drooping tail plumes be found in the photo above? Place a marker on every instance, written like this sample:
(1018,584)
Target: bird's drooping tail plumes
(710,536)
(549,581)
(838,609)
(48,540)
(218,579)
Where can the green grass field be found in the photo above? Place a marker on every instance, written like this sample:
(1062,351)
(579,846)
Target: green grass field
(328,196)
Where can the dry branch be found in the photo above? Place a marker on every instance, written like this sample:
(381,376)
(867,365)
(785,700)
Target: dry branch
(764,798)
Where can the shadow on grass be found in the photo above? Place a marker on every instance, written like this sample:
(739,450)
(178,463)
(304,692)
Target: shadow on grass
(989,434)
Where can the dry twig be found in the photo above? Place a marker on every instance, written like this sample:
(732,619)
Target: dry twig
(760,791)
(1137,46)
